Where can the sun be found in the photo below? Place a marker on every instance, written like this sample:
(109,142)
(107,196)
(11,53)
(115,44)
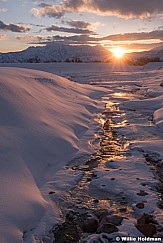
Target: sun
(118,52)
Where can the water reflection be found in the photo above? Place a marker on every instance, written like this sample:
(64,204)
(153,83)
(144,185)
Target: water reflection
(112,145)
(108,145)
(117,208)
(124,95)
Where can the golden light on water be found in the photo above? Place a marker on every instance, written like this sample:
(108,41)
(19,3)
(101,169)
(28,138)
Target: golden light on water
(118,52)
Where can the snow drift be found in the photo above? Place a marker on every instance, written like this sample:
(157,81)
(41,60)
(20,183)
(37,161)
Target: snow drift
(42,119)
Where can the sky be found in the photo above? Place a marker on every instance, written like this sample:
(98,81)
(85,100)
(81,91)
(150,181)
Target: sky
(133,25)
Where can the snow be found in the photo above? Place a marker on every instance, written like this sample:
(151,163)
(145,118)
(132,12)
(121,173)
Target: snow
(43,117)
(45,123)
(158,118)
(57,52)
(60,52)
(155,52)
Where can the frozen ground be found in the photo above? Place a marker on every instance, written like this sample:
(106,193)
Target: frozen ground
(44,115)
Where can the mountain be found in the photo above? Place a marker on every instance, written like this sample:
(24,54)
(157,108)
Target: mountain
(57,52)
(151,54)
(157,52)
(158,48)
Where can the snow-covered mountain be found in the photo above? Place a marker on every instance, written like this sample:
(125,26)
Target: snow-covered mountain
(153,53)
(57,52)
(157,52)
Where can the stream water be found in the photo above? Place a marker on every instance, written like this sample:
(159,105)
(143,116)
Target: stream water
(82,201)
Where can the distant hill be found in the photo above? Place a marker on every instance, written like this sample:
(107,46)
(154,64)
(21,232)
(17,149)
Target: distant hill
(153,53)
(142,58)
(157,52)
(57,52)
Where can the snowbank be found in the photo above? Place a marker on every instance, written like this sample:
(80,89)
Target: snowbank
(147,104)
(154,105)
(158,118)
(43,117)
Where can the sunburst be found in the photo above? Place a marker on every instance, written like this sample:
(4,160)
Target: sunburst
(118,52)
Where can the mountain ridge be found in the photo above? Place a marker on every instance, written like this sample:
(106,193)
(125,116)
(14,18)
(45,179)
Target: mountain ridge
(57,52)
(156,52)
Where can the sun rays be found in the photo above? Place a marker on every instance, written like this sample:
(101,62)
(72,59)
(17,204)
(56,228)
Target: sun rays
(118,52)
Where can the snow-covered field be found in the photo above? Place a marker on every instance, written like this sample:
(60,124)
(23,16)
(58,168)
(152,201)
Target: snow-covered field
(47,121)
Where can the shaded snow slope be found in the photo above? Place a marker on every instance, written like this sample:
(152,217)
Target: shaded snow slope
(43,117)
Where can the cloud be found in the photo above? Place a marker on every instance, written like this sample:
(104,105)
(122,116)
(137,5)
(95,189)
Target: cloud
(130,40)
(27,38)
(70,30)
(135,46)
(124,9)
(144,46)
(128,8)
(31,24)
(3,10)
(78,24)
(87,40)
(75,39)
(55,11)
(156,34)
(3,37)
(13,27)
(160,27)
(82,24)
